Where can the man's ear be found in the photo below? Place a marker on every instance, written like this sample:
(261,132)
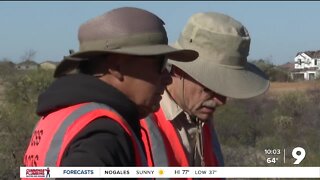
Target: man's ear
(115,67)
(115,71)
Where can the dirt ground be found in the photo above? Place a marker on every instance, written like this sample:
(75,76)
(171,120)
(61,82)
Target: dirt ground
(279,87)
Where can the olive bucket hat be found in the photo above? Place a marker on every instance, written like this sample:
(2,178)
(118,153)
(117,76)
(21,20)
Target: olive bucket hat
(125,30)
(223,45)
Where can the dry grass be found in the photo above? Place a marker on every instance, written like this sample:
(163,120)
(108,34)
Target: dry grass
(1,90)
(280,87)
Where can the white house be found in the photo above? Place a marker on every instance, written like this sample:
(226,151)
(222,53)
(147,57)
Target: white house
(48,65)
(27,65)
(307,65)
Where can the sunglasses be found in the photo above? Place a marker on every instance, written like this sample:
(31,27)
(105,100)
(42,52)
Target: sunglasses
(163,60)
(165,65)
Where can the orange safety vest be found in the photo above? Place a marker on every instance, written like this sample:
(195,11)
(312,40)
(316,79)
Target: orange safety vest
(55,131)
(164,147)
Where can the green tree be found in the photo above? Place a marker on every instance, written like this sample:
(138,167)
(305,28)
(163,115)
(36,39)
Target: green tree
(272,71)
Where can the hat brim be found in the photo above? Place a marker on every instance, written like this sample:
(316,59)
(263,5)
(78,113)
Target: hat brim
(72,61)
(239,83)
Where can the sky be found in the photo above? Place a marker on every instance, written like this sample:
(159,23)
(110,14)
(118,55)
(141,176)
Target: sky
(278,30)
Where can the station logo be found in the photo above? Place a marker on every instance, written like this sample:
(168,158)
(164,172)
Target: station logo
(45,172)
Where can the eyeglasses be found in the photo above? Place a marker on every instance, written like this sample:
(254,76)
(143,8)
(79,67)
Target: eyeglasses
(164,64)
(168,67)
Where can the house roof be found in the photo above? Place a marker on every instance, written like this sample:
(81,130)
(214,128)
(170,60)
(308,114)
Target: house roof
(288,66)
(50,62)
(27,63)
(312,54)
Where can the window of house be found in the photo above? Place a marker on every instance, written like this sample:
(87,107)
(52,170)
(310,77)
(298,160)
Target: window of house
(312,76)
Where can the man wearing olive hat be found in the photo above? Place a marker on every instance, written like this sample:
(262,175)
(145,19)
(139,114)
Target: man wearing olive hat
(182,132)
(90,113)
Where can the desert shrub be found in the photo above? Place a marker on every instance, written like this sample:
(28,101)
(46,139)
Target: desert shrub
(17,117)
(243,156)
(233,129)
(25,87)
(7,68)
(244,122)
(282,121)
(292,104)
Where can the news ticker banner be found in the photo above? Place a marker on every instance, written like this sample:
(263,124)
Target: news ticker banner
(169,172)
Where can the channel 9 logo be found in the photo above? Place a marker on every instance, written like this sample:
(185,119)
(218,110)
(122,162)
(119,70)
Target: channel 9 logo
(299,154)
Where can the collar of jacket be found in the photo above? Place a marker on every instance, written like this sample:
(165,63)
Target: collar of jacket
(80,88)
(170,108)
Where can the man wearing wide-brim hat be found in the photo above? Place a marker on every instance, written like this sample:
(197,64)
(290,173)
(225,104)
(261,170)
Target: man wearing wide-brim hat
(184,121)
(90,113)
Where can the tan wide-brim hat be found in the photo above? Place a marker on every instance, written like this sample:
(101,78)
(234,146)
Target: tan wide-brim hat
(223,46)
(129,31)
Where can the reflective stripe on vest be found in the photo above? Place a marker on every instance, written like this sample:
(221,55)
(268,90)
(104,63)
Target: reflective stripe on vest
(158,149)
(71,124)
(168,136)
(216,145)
(55,146)
(156,132)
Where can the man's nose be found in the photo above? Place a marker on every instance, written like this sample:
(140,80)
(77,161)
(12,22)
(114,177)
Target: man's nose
(218,98)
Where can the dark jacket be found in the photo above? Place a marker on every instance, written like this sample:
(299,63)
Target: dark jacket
(103,142)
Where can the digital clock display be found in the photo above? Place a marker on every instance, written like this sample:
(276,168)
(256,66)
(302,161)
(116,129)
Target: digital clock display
(272,151)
